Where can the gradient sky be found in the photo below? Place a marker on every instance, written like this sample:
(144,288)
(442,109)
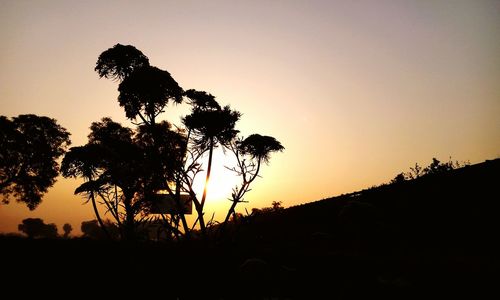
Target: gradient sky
(357,91)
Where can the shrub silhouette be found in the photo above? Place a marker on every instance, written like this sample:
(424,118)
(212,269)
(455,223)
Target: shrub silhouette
(435,167)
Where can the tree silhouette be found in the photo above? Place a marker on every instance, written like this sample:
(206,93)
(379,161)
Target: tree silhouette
(67,228)
(437,167)
(107,161)
(121,168)
(91,229)
(209,126)
(84,162)
(250,153)
(259,147)
(277,205)
(202,100)
(30,148)
(146,91)
(129,170)
(35,227)
(120,61)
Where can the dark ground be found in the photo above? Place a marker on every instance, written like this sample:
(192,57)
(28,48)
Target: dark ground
(436,236)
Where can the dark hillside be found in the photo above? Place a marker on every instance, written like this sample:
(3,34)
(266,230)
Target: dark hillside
(439,230)
(460,205)
(435,233)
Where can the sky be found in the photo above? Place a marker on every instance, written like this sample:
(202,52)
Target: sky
(356,91)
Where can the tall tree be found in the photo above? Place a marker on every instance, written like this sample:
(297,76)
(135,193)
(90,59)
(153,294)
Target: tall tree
(121,167)
(137,167)
(84,162)
(144,92)
(210,126)
(110,159)
(30,148)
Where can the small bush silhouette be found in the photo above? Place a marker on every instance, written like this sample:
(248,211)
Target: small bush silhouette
(435,167)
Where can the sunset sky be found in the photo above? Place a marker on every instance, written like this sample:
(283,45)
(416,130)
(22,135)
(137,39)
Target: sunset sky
(356,91)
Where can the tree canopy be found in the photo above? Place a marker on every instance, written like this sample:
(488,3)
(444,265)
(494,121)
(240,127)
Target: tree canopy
(129,170)
(30,148)
(146,91)
(260,146)
(120,61)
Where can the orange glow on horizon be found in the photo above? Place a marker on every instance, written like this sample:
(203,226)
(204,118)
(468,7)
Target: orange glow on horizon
(356,91)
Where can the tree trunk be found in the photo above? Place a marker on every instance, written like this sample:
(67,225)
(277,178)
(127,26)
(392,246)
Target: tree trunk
(129,220)
(99,220)
(209,169)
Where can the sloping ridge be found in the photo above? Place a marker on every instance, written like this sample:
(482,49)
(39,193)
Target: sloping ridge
(457,206)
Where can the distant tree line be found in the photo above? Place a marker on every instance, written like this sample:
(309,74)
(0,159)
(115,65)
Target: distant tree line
(36,228)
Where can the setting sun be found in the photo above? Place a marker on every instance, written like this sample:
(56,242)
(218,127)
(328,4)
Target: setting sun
(222,180)
(355,91)
(352,148)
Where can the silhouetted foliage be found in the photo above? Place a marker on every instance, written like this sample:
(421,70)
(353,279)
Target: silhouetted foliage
(277,205)
(399,178)
(415,172)
(120,61)
(91,229)
(36,228)
(67,228)
(128,170)
(250,153)
(260,147)
(202,100)
(431,235)
(435,167)
(164,148)
(30,148)
(108,160)
(124,168)
(146,92)
(209,126)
